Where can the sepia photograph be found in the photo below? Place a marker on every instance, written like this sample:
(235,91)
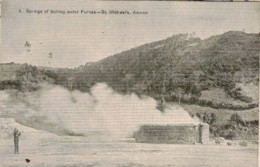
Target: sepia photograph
(129,83)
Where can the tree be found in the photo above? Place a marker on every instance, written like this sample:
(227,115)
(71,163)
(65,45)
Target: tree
(236,120)
(179,94)
(128,80)
(50,57)
(140,88)
(209,118)
(27,46)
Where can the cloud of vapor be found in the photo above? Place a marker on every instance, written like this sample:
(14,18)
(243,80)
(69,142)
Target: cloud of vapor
(102,110)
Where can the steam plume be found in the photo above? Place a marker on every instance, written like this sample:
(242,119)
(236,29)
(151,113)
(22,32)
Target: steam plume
(102,111)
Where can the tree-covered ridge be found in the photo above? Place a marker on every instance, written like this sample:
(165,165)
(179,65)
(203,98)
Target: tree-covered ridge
(179,68)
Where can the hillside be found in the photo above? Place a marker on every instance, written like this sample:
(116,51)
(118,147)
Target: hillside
(183,68)
(219,72)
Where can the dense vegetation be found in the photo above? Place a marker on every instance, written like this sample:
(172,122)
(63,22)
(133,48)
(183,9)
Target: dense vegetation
(235,128)
(180,68)
(28,78)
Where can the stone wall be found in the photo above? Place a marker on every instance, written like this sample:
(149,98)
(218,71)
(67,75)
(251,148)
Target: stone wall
(170,134)
(173,134)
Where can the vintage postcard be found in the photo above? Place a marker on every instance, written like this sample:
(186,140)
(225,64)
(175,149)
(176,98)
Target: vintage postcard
(129,83)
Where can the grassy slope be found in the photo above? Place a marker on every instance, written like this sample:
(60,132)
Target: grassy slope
(220,96)
(223,115)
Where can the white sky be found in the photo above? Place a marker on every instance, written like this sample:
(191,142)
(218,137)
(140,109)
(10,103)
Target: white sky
(77,39)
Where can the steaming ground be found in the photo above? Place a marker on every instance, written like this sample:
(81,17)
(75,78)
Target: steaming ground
(103,111)
(105,119)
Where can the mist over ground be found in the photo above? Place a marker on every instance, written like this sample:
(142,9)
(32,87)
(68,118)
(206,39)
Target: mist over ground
(102,111)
